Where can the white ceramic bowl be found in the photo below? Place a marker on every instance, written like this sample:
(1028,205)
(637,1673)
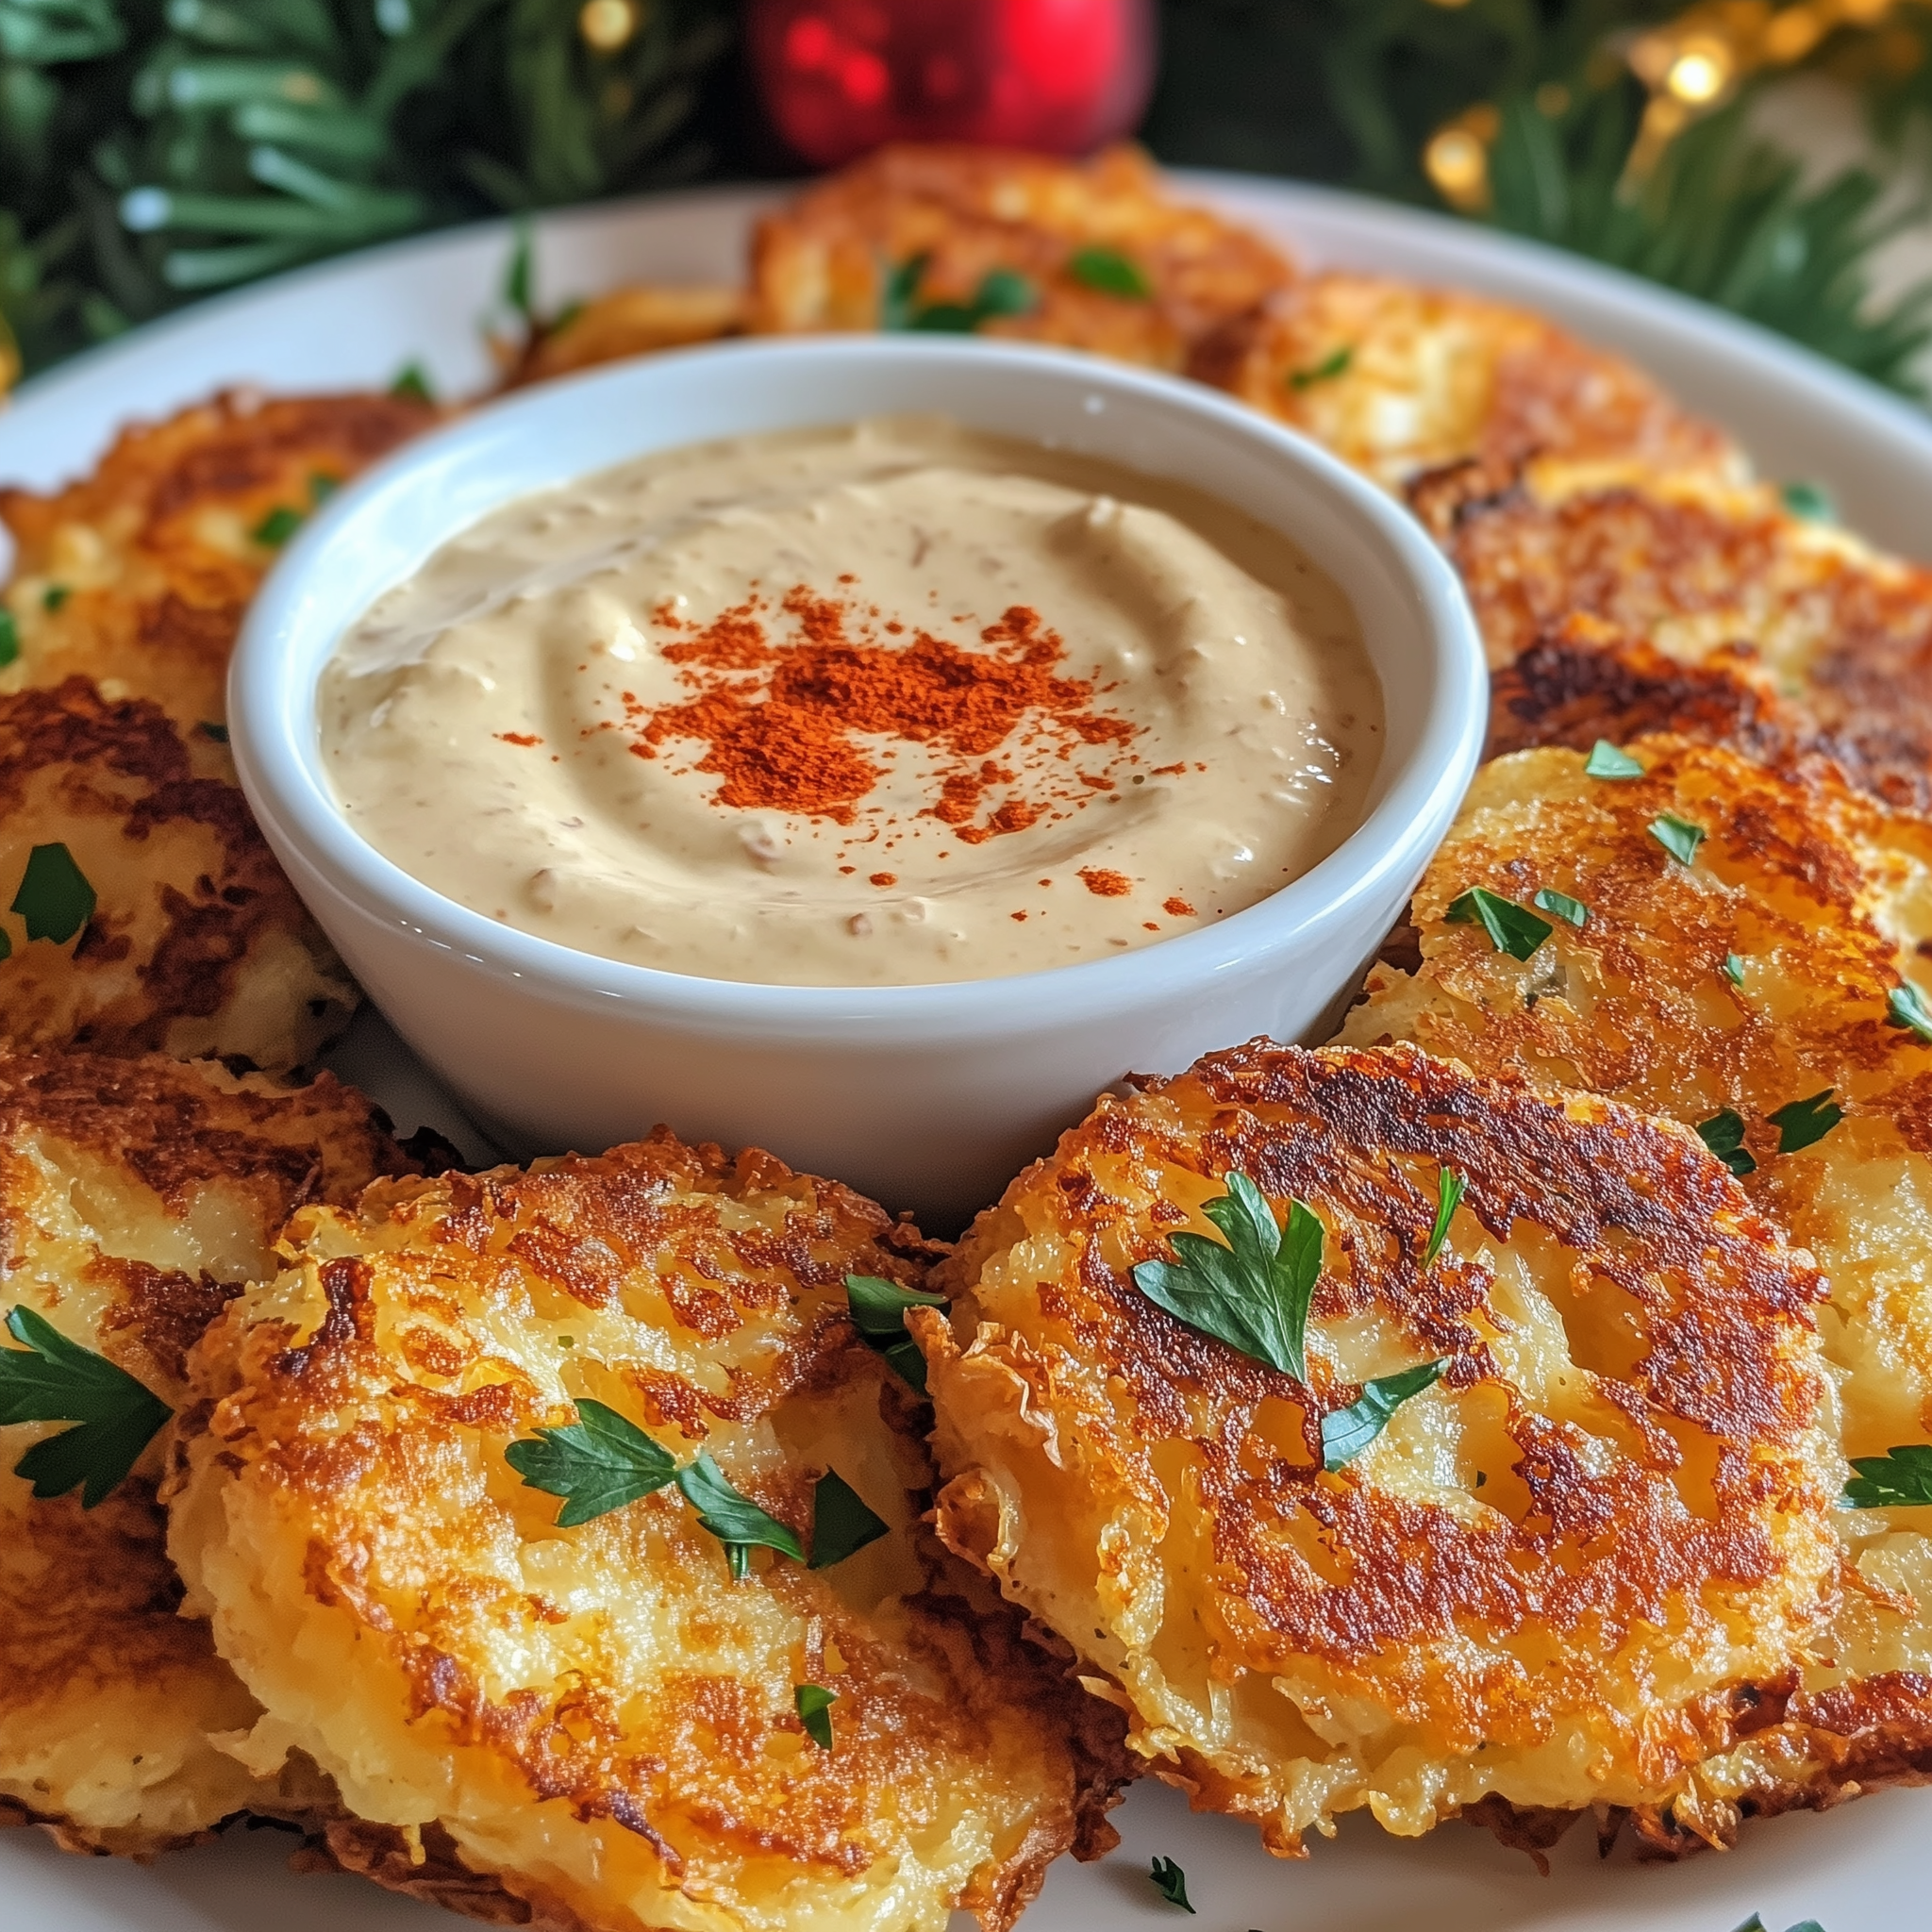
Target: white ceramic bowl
(925,1096)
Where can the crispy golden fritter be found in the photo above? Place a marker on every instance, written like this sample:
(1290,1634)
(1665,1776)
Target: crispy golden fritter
(1398,379)
(138,576)
(1715,579)
(197,944)
(629,322)
(1547,1577)
(1818,897)
(599,1718)
(135,1196)
(825,261)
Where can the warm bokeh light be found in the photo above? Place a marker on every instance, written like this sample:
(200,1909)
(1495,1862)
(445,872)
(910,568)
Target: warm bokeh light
(608,25)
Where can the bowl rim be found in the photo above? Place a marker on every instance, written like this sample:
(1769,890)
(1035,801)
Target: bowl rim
(270,697)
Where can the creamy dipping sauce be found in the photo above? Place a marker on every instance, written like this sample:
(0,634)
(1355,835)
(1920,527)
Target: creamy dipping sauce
(879,705)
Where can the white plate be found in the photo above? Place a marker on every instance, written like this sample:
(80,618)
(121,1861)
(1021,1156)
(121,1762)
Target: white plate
(358,322)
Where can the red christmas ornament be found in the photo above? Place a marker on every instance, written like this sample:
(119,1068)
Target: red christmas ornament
(841,76)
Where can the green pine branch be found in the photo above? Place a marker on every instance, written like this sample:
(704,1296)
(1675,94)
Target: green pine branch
(153,149)
(1726,215)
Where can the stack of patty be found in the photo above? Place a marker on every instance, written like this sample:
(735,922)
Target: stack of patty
(551,1544)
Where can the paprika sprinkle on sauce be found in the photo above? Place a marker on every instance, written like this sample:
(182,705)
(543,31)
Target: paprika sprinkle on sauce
(817,707)
(784,720)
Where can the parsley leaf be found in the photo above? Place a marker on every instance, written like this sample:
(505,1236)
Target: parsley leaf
(54,597)
(1802,1121)
(1001,292)
(735,1521)
(1005,291)
(1901,1475)
(596,1464)
(210,729)
(878,1312)
(1606,761)
(1810,502)
(412,384)
(54,1380)
(1331,365)
(841,1525)
(1252,1293)
(10,639)
(1734,969)
(897,298)
(1513,928)
(274,529)
(1563,905)
(815,1704)
(1171,1882)
(1449,1186)
(54,897)
(321,486)
(1723,1133)
(1346,1432)
(1110,272)
(1905,1006)
(1679,837)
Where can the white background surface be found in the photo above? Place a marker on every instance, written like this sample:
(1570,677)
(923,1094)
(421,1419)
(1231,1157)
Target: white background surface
(1859,1869)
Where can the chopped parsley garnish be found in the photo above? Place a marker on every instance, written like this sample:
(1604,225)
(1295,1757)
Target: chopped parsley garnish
(1001,292)
(602,1461)
(1563,905)
(1606,761)
(1346,1432)
(1723,1133)
(1799,1123)
(735,1521)
(815,1704)
(597,1463)
(1253,1292)
(321,486)
(1171,1882)
(10,639)
(54,897)
(1901,1476)
(50,1379)
(1449,1185)
(878,1312)
(1734,969)
(1905,1006)
(841,1525)
(1110,272)
(1809,501)
(274,529)
(1513,928)
(1755,1924)
(54,597)
(209,728)
(1331,365)
(412,384)
(1679,837)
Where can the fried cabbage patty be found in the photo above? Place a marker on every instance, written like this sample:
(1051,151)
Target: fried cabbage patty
(1109,262)
(1550,1572)
(135,1197)
(137,576)
(1720,992)
(1399,379)
(599,1717)
(145,911)
(1819,640)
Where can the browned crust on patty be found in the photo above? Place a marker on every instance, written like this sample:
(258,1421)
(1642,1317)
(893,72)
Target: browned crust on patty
(189,894)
